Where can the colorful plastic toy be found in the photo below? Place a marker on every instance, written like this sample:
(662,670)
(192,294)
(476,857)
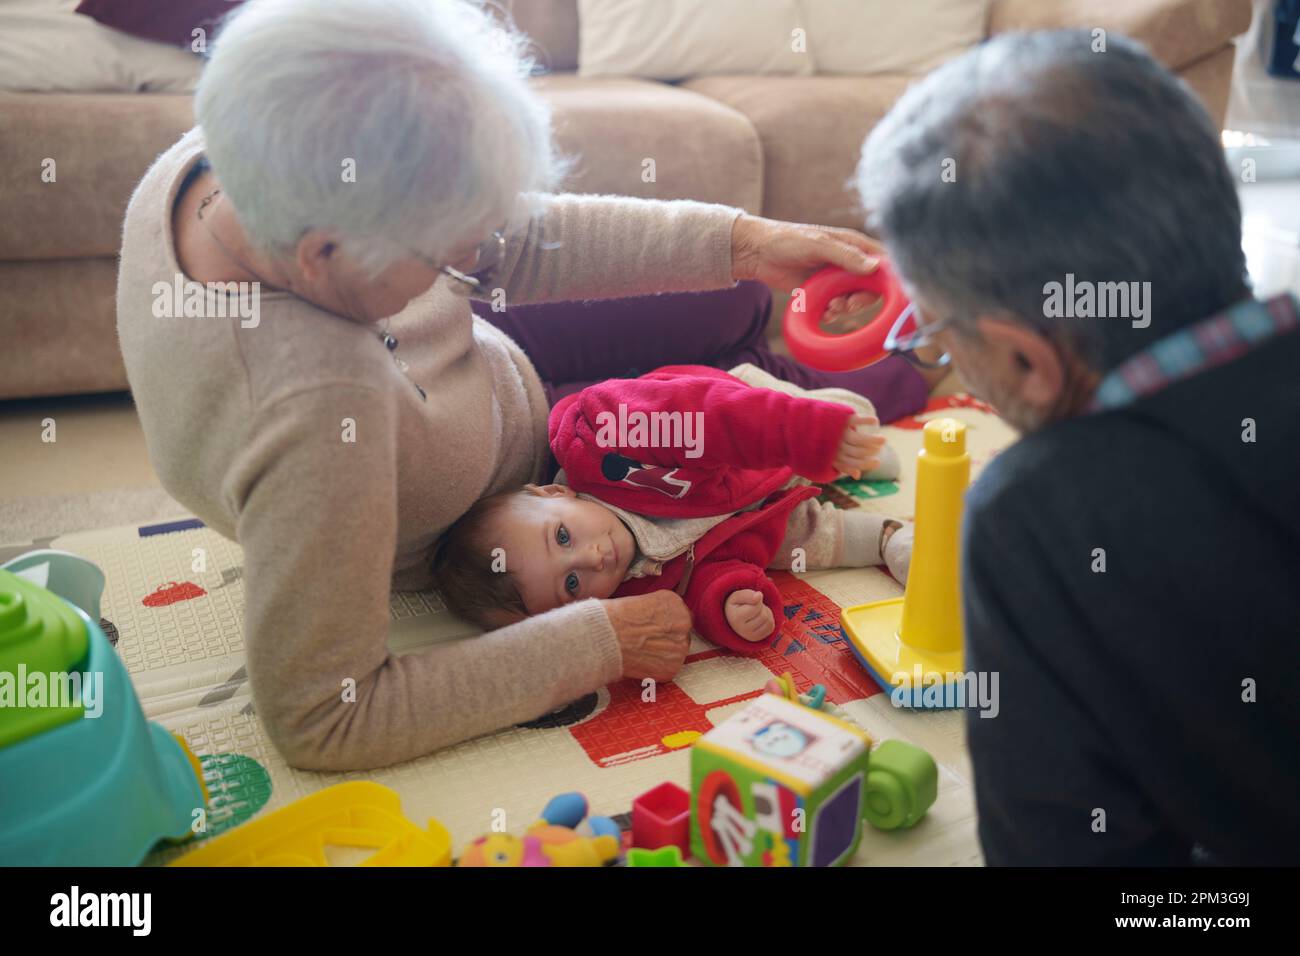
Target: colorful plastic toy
(913,645)
(902,784)
(778,784)
(902,778)
(667,856)
(559,838)
(360,814)
(662,817)
(842,353)
(87,780)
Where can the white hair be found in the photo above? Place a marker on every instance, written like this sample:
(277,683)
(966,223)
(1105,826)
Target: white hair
(425,104)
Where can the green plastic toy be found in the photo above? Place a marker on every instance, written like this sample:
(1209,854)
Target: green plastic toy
(902,784)
(664,856)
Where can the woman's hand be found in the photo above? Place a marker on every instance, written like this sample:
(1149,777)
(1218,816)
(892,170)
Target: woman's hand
(784,254)
(654,631)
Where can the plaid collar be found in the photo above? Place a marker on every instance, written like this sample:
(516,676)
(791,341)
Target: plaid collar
(1205,345)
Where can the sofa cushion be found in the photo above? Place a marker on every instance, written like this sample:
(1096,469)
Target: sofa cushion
(700,147)
(46,47)
(552,25)
(870,37)
(811,128)
(1176,31)
(674,39)
(100,145)
(60,323)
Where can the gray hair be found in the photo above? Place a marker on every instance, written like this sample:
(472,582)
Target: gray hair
(1102,165)
(425,101)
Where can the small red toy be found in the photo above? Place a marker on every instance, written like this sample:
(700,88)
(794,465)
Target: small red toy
(662,817)
(842,353)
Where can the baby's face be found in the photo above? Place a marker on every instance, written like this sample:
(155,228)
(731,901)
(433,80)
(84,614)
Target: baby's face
(561,548)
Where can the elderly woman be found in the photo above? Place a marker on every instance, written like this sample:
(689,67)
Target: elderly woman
(364,159)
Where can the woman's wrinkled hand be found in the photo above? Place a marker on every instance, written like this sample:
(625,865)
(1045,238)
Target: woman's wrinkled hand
(784,254)
(654,633)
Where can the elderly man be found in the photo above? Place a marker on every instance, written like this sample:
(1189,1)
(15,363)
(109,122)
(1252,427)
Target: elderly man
(1064,218)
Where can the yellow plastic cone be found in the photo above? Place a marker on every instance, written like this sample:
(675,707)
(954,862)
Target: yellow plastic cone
(913,645)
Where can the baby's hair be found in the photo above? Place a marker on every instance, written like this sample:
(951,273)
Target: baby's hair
(462,564)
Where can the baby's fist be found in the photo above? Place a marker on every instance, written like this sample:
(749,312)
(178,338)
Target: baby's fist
(859,451)
(749,616)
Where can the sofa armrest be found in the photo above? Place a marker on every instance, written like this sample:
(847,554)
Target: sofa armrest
(1177,32)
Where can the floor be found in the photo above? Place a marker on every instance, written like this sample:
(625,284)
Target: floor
(100,449)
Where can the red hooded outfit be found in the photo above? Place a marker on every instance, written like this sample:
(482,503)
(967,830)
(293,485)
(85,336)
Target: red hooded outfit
(693,442)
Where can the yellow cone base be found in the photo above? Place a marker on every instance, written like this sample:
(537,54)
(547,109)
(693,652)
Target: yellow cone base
(903,670)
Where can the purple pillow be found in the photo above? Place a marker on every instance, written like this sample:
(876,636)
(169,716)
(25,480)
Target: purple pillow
(167,21)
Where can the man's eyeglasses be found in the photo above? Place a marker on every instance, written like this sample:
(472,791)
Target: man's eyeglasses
(897,343)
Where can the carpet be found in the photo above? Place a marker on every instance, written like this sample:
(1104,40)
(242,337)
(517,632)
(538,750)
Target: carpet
(180,633)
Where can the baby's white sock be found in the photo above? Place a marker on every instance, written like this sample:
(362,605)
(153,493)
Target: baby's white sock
(866,544)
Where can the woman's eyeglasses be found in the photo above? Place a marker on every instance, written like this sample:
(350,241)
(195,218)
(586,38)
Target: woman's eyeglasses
(488,259)
(897,343)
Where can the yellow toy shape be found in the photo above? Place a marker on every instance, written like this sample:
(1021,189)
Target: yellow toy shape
(356,814)
(543,844)
(496,849)
(565,848)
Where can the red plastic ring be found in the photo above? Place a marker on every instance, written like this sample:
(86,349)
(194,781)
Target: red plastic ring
(842,353)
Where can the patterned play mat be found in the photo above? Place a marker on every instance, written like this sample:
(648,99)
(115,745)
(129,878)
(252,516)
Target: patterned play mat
(181,636)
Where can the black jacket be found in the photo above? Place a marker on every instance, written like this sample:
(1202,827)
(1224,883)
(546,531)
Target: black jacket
(1126,733)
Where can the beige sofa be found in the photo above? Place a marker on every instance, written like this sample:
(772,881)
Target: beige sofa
(782,146)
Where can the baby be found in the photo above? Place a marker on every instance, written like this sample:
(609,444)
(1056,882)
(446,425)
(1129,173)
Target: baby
(686,478)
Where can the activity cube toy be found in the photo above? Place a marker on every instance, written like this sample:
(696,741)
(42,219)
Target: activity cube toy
(778,784)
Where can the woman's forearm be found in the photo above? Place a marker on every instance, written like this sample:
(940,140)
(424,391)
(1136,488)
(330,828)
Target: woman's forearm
(594,247)
(418,703)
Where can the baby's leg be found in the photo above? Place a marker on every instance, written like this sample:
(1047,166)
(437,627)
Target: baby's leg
(819,535)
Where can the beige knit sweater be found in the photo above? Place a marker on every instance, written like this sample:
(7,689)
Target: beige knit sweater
(246,426)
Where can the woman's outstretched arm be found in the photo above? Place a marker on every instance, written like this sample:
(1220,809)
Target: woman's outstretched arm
(600,247)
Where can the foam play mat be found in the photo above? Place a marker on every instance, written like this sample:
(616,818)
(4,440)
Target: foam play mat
(180,634)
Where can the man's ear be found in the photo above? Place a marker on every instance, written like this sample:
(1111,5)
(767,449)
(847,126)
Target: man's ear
(551,491)
(314,251)
(1023,358)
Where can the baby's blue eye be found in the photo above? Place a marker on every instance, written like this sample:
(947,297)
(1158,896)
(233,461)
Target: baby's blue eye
(562,534)
(571,583)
